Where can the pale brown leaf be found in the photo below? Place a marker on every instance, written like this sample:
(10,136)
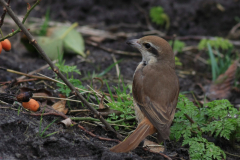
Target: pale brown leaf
(66,122)
(60,106)
(221,87)
(152,146)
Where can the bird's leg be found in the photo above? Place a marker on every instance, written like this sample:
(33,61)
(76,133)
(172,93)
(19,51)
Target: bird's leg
(165,147)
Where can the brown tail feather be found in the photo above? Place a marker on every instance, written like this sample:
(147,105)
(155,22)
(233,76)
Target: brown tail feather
(144,129)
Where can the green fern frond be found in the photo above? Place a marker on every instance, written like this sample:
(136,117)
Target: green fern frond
(217,43)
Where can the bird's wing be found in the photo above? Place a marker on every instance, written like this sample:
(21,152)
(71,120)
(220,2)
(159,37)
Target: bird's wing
(156,95)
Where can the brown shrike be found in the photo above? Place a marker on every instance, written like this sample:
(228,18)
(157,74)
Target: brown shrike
(155,92)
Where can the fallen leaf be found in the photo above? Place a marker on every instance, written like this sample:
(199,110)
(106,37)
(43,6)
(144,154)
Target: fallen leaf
(3,88)
(152,146)
(72,40)
(97,39)
(60,106)
(221,87)
(101,106)
(53,47)
(66,122)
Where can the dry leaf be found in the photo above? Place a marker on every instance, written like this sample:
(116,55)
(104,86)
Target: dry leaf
(97,39)
(60,106)
(221,87)
(152,146)
(101,106)
(106,111)
(66,122)
(3,88)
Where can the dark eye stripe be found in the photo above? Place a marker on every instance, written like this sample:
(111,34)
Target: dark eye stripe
(154,51)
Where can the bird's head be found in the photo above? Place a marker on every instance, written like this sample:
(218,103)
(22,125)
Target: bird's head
(154,50)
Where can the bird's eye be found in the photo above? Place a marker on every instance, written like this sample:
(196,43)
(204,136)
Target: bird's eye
(147,45)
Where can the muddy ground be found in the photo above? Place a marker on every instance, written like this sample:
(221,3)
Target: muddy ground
(19,132)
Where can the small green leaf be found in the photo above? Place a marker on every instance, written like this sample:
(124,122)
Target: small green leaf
(72,40)
(52,47)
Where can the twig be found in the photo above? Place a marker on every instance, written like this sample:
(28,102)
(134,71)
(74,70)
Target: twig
(234,28)
(9,108)
(23,21)
(25,74)
(3,15)
(94,135)
(79,110)
(3,102)
(97,120)
(20,81)
(38,70)
(112,50)
(165,156)
(54,80)
(231,154)
(189,118)
(47,114)
(117,66)
(66,99)
(54,68)
(85,119)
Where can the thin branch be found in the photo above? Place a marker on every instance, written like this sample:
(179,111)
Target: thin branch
(3,15)
(54,68)
(94,135)
(23,21)
(47,114)
(19,81)
(36,71)
(24,74)
(165,156)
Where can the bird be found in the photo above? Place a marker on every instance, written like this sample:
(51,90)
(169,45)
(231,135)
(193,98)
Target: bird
(155,92)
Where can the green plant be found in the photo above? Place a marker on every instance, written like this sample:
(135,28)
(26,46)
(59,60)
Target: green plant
(219,62)
(178,45)
(217,118)
(44,27)
(68,71)
(217,43)
(200,148)
(159,17)
(40,133)
(177,62)
(123,103)
(105,71)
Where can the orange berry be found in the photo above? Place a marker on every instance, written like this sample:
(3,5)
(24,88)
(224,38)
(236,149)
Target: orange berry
(6,45)
(0,48)
(32,105)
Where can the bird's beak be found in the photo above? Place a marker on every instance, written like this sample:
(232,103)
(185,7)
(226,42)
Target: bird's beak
(134,43)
